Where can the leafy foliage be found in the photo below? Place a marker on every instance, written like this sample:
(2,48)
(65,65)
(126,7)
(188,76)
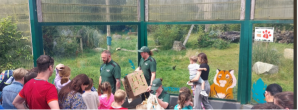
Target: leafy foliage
(14,48)
(262,51)
(205,41)
(165,35)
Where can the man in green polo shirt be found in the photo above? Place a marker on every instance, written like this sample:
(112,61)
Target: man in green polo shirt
(110,71)
(148,66)
(163,97)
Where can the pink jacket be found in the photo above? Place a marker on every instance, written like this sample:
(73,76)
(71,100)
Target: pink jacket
(104,102)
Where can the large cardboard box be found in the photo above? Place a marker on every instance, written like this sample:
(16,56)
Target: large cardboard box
(135,84)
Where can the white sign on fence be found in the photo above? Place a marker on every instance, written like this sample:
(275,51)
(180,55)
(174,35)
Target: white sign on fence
(264,34)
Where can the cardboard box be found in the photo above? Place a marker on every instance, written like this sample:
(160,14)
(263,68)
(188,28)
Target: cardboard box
(135,84)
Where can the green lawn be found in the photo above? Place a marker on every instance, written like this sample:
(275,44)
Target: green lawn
(89,63)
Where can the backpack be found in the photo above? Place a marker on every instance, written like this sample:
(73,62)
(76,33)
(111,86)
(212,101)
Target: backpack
(6,78)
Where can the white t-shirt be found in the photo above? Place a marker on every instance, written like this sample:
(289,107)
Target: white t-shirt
(91,100)
(193,69)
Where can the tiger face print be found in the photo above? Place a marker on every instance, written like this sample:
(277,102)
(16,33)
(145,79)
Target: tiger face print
(224,82)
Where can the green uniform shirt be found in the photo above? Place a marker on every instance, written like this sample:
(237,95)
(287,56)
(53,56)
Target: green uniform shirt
(148,66)
(165,97)
(109,73)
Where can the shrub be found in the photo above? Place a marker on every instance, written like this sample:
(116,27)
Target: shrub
(15,49)
(263,53)
(165,35)
(220,44)
(205,41)
(65,46)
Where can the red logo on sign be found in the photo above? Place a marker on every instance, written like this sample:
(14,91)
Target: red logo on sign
(266,34)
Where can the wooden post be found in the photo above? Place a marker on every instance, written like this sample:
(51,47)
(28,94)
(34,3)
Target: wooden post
(108,20)
(146,10)
(252,12)
(81,44)
(242,10)
(189,32)
(39,11)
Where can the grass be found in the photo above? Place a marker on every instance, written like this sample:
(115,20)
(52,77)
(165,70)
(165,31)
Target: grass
(89,63)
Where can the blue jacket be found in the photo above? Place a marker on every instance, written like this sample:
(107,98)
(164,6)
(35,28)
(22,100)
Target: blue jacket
(9,93)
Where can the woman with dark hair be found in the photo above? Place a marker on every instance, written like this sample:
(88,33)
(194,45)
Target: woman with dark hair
(202,59)
(284,100)
(70,96)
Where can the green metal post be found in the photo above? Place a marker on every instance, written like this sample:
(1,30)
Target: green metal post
(142,28)
(244,81)
(37,46)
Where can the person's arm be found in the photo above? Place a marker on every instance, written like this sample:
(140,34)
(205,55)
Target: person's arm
(153,74)
(54,104)
(18,102)
(162,103)
(202,69)
(117,76)
(197,77)
(58,78)
(152,78)
(99,81)
(118,84)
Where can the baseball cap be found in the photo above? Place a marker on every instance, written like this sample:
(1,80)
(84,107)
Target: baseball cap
(144,49)
(155,84)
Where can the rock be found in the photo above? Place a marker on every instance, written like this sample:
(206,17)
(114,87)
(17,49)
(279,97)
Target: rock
(289,53)
(127,38)
(232,36)
(260,68)
(117,37)
(99,49)
(178,46)
(154,50)
(117,49)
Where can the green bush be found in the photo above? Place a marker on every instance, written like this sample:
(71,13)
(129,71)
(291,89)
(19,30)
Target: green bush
(205,41)
(220,44)
(265,53)
(14,48)
(66,46)
(165,35)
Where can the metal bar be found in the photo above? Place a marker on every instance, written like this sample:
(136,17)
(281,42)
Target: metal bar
(252,12)
(273,21)
(87,23)
(39,11)
(198,22)
(37,46)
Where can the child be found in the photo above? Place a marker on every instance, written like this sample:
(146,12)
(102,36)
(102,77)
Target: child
(62,76)
(193,67)
(107,97)
(90,98)
(119,99)
(184,101)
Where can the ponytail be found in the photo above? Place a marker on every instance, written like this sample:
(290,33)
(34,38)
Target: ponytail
(150,53)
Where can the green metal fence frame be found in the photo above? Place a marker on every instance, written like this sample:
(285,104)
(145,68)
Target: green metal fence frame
(245,53)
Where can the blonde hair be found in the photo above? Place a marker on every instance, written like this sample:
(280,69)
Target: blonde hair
(19,73)
(193,58)
(119,96)
(64,73)
(105,87)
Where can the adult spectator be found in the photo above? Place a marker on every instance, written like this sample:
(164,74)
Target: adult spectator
(11,91)
(163,97)
(266,106)
(70,96)
(202,59)
(148,66)
(285,100)
(110,71)
(271,90)
(47,97)
(30,75)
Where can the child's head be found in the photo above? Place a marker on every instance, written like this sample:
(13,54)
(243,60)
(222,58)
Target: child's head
(120,96)
(90,84)
(184,99)
(193,59)
(64,73)
(105,87)
(184,89)
(19,74)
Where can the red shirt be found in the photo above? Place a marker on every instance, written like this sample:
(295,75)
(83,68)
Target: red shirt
(118,108)
(38,93)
